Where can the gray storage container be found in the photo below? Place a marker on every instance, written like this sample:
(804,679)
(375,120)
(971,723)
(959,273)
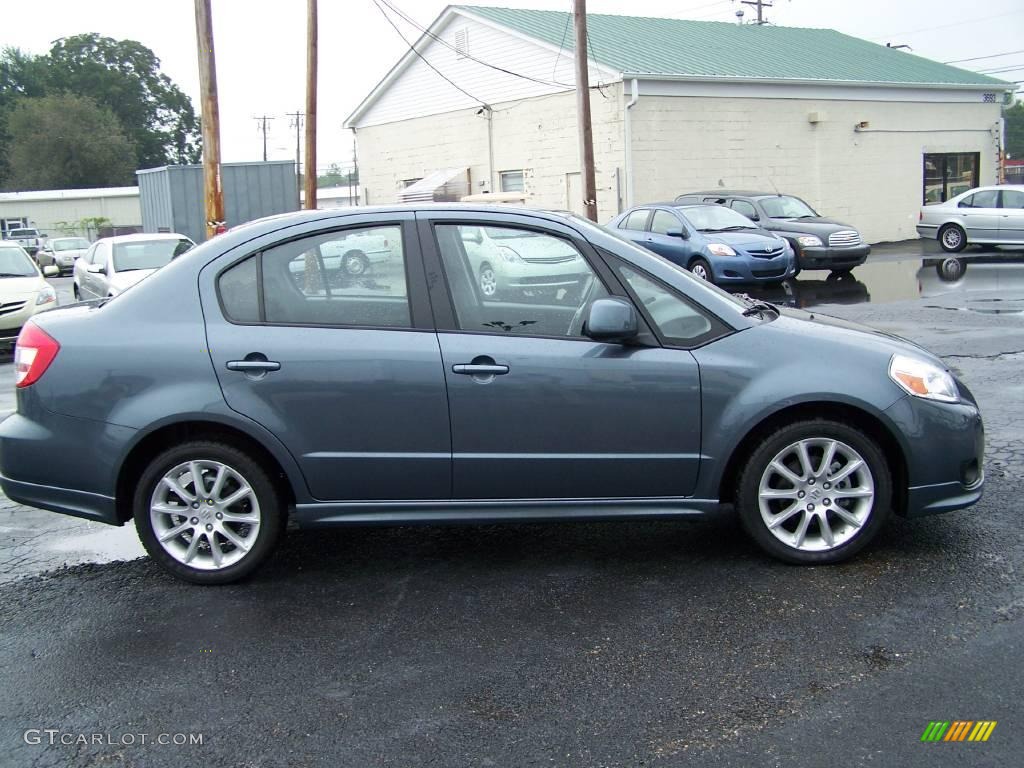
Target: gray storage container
(172,196)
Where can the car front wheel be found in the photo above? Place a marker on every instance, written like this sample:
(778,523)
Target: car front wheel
(207,512)
(815,492)
(952,238)
(700,268)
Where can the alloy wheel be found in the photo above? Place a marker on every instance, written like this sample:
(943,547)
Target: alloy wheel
(816,494)
(488,282)
(952,238)
(699,271)
(205,514)
(354,265)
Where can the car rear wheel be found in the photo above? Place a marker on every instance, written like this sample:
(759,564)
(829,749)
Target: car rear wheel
(355,264)
(815,492)
(488,281)
(700,268)
(952,238)
(207,512)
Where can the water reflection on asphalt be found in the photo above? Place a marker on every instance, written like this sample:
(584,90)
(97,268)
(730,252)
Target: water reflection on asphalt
(989,281)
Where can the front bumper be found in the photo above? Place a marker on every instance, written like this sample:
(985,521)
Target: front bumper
(741,269)
(946,455)
(825,257)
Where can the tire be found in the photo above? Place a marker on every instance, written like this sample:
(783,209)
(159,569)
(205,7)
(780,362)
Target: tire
(488,281)
(864,515)
(952,238)
(951,269)
(76,292)
(355,264)
(701,269)
(262,507)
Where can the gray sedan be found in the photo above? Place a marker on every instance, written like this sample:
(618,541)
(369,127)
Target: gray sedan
(245,383)
(982,216)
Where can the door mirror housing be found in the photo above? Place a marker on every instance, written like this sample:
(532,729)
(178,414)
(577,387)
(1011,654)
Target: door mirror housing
(51,270)
(680,233)
(612,320)
(94,268)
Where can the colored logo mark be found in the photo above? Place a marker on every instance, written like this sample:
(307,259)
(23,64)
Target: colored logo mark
(958,730)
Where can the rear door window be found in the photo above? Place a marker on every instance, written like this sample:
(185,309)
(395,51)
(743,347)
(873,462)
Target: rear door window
(636,221)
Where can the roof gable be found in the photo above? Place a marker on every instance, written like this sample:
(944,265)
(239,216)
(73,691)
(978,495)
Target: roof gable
(656,47)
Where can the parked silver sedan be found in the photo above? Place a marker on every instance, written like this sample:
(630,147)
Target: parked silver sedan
(983,216)
(114,264)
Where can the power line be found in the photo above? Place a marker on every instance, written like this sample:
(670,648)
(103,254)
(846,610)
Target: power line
(261,126)
(955,24)
(990,56)
(760,5)
(422,58)
(1002,69)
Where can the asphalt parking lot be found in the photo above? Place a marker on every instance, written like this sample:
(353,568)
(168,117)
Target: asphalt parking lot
(611,644)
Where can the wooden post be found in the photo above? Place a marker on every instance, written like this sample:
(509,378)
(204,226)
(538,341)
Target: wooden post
(212,191)
(583,110)
(311,41)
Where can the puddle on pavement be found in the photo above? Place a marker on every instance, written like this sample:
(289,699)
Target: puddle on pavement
(989,282)
(102,544)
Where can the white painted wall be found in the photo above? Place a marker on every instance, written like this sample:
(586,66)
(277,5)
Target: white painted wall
(871,180)
(46,214)
(539,135)
(418,90)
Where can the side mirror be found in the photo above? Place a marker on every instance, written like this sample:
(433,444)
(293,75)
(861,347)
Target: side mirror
(472,236)
(51,270)
(680,233)
(94,268)
(612,320)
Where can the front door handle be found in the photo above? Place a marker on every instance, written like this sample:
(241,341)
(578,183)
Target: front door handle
(484,369)
(253,365)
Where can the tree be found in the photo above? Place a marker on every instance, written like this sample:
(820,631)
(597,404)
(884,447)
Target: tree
(1014,117)
(66,142)
(125,76)
(21,74)
(335,177)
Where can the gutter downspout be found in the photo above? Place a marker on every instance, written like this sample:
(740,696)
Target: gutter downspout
(635,88)
(489,116)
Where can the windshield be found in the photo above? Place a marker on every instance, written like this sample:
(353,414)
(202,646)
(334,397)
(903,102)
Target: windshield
(70,244)
(715,218)
(786,207)
(14,234)
(147,254)
(14,262)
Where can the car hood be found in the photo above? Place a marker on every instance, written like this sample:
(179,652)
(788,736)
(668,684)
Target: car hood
(76,252)
(753,238)
(122,281)
(15,288)
(819,225)
(827,325)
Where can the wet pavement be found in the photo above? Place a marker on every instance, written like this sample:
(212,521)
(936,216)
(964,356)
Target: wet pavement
(579,644)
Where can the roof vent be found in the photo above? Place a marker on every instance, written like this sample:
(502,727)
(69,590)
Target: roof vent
(462,42)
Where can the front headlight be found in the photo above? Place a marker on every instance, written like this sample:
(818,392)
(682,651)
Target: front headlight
(46,295)
(809,241)
(509,255)
(720,249)
(923,379)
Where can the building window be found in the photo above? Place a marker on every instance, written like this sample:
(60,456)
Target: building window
(947,174)
(512,181)
(409,182)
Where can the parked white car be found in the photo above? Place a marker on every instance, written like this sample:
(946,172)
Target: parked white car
(27,237)
(114,264)
(23,291)
(512,261)
(355,253)
(982,216)
(62,252)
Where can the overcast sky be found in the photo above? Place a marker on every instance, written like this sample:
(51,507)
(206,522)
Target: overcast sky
(260,45)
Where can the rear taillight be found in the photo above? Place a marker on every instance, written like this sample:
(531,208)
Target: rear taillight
(33,354)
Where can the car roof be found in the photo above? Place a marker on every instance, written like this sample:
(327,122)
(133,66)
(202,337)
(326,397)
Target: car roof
(143,236)
(734,193)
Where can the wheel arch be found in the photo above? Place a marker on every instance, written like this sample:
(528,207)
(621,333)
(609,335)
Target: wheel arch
(856,417)
(162,437)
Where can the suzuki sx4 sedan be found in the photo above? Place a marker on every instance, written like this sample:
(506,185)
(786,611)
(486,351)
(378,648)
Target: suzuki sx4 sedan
(252,380)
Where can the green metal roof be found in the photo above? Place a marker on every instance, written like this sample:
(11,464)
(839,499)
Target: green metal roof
(672,47)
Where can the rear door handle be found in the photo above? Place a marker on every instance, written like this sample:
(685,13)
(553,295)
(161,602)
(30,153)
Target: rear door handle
(253,365)
(480,369)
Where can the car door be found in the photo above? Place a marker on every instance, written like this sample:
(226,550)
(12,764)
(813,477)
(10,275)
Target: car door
(345,370)
(981,214)
(673,247)
(94,280)
(1011,220)
(634,225)
(539,411)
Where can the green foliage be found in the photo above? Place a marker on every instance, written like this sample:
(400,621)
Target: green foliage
(66,142)
(1014,117)
(123,77)
(85,226)
(335,177)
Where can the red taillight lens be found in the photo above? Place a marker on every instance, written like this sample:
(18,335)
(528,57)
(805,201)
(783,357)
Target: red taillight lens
(33,354)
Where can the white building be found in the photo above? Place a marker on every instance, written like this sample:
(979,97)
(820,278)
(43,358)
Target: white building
(861,131)
(62,211)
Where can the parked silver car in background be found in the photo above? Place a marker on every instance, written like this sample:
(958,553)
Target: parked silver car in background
(114,264)
(982,216)
(62,252)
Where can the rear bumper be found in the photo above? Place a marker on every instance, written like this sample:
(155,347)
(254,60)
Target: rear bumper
(91,506)
(825,257)
(928,230)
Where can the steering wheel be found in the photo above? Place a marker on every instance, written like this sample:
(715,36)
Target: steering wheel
(580,317)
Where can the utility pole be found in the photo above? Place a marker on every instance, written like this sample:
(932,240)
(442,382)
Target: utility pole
(579,15)
(296,123)
(212,191)
(760,5)
(261,122)
(311,41)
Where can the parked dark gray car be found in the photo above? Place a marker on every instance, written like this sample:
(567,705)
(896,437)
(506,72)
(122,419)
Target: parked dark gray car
(819,242)
(248,380)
